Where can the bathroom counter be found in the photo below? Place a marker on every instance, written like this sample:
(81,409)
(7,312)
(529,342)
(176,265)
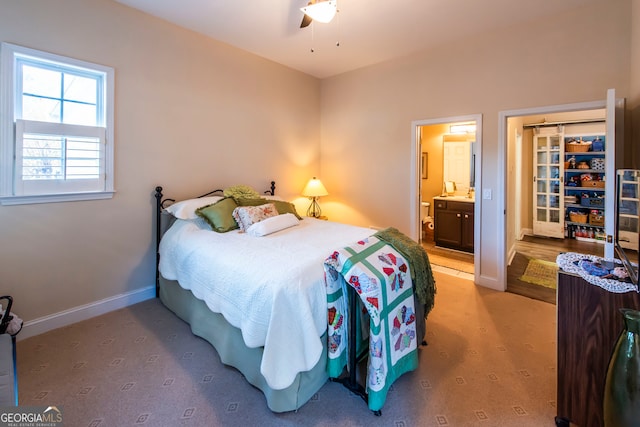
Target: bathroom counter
(456,199)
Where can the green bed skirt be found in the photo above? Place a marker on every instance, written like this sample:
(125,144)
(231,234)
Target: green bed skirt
(228,342)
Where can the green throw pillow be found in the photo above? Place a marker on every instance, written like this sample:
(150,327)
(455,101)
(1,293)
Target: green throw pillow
(285,207)
(254,201)
(241,192)
(219,215)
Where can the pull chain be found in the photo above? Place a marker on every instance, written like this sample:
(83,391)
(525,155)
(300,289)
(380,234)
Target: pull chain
(338,23)
(313,24)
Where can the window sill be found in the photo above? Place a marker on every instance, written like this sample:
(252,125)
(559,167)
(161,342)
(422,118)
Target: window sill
(55,198)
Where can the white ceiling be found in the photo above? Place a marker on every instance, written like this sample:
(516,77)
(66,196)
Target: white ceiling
(369,31)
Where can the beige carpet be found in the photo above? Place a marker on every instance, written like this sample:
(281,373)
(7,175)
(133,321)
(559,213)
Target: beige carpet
(539,272)
(491,361)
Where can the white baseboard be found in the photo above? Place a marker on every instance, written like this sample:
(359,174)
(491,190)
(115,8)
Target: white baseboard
(511,254)
(84,312)
(525,232)
(490,282)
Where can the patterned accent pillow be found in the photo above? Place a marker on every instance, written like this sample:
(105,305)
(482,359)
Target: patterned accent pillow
(282,206)
(246,216)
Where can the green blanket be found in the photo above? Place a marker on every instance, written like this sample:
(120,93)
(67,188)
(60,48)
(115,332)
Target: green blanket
(421,274)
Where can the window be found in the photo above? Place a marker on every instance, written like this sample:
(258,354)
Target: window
(56,128)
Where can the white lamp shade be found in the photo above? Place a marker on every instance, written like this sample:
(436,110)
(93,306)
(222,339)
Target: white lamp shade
(321,11)
(314,188)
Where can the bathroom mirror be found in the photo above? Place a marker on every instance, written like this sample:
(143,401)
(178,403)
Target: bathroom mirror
(459,161)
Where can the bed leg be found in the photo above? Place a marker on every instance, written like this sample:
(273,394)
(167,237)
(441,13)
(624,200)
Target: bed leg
(158,196)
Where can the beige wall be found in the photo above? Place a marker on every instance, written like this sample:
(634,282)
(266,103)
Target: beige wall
(432,144)
(366,115)
(191,113)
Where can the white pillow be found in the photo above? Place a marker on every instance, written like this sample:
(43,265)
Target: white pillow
(272,224)
(186,209)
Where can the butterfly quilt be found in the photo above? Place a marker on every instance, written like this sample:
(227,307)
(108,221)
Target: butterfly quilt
(381,279)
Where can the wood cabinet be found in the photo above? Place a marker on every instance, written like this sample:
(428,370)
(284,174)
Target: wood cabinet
(453,223)
(589,325)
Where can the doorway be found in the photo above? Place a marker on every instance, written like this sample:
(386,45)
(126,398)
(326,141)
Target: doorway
(521,189)
(461,133)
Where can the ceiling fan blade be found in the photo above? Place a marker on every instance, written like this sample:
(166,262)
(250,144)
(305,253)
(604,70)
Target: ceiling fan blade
(306,20)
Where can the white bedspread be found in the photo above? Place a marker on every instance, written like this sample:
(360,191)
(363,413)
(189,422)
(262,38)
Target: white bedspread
(271,288)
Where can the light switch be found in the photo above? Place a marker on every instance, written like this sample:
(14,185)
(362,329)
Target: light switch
(486,194)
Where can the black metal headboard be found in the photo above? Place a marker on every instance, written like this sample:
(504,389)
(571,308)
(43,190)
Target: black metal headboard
(162,203)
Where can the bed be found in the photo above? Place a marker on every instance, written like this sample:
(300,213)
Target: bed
(260,297)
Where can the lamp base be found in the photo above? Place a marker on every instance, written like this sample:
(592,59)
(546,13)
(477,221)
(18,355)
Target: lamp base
(314,208)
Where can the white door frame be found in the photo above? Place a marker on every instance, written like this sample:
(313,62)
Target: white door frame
(416,177)
(503,118)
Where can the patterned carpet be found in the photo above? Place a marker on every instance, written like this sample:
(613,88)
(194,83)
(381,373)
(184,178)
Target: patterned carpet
(490,361)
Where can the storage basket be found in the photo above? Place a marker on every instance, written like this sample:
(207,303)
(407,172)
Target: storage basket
(577,147)
(597,144)
(597,164)
(592,184)
(583,165)
(592,202)
(578,217)
(596,219)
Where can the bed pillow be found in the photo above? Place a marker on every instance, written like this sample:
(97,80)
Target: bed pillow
(281,206)
(220,215)
(246,216)
(273,224)
(241,192)
(255,201)
(186,209)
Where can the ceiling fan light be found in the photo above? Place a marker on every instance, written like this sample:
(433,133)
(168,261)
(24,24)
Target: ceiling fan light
(322,11)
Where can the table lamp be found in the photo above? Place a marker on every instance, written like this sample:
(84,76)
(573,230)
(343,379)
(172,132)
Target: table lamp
(313,190)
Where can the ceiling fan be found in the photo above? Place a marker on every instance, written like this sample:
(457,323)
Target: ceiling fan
(318,10)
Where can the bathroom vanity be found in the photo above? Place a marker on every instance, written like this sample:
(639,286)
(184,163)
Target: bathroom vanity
(453,221)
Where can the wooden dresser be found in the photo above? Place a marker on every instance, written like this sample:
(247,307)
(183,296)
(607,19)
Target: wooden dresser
(589,325)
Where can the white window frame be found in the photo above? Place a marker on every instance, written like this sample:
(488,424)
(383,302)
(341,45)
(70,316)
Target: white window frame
(11,188)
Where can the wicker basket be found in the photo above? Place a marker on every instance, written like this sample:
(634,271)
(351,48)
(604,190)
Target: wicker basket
(592,184)
(578,217)
(595,219)
(577,148)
